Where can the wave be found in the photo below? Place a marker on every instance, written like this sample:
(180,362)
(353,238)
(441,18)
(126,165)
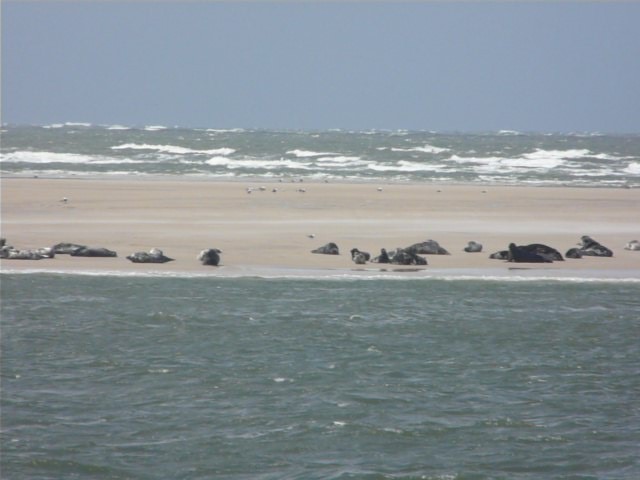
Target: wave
(257,163)
(633,168)
(154,128)
(52,157)
(308,153)
(272,273)
(173,149)
(426,149)
(406,166)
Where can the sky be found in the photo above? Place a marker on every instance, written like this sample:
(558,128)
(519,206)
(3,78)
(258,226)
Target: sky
(447,66)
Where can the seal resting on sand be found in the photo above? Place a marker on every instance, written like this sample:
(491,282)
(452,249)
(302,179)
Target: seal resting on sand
(522,255)
(429,247)
(359,257)
(155,255)
(11,253)
(549,254)
(210,256)
(67,248)
(383,257)
(632,245)
(93,252)
(473,247)
(573,253)
(592,248)
(328,249)
(407,256)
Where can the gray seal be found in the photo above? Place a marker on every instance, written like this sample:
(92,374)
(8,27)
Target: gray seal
(93,252)
(155,255)
(328,249)
(473,247)
(210,256)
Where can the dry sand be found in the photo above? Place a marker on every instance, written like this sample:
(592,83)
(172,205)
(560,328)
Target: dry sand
(266,230)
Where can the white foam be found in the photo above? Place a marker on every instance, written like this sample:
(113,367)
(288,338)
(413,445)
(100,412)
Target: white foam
(308,153)
(173,149)
(341,160)
(118,127)
(154,128)
(633,168)
(257,163)
(449,275)
(53,157)
(426,149)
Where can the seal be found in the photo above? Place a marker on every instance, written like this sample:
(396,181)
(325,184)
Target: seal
(328,249)
(155,255)
(633,245)
(592,248)
(522,255)
(359,257)
(473,247)
(67,248)
(573,253)
(428,247)
(383,257)
(210,256)
(548,254)
(93,252)
(407,256)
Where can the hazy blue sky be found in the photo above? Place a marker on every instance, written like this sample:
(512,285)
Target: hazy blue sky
(448,66)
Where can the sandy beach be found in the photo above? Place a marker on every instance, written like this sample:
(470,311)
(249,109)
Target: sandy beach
(271,227)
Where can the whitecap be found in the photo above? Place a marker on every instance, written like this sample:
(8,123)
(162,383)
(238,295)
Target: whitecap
(154,128)
(633,168)
(426,149)
(308,153)
(54,157)
(174,149)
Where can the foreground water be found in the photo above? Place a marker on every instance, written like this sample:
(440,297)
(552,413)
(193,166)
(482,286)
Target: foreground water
(189,378)
(514,158)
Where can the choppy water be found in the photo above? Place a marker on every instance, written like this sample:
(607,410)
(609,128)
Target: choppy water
(200,378)
(499,158)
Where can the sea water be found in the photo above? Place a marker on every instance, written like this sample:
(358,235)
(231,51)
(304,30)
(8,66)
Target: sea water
(506,157)
(355,376)
(125,377)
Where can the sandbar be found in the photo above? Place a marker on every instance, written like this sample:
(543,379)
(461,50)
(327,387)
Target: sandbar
(275,226)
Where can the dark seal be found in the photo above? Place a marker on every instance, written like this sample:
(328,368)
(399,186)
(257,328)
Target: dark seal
(328,249)
(210,256)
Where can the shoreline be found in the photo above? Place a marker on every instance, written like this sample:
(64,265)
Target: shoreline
(268,231)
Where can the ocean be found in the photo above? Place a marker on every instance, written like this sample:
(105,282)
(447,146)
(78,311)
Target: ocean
(507,157)
(116,376)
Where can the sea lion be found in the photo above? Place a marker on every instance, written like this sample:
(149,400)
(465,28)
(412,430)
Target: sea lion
(93,252)
(428,247)
(155,255)
(328,249)
(473,247)
(210,256)
(592,248)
